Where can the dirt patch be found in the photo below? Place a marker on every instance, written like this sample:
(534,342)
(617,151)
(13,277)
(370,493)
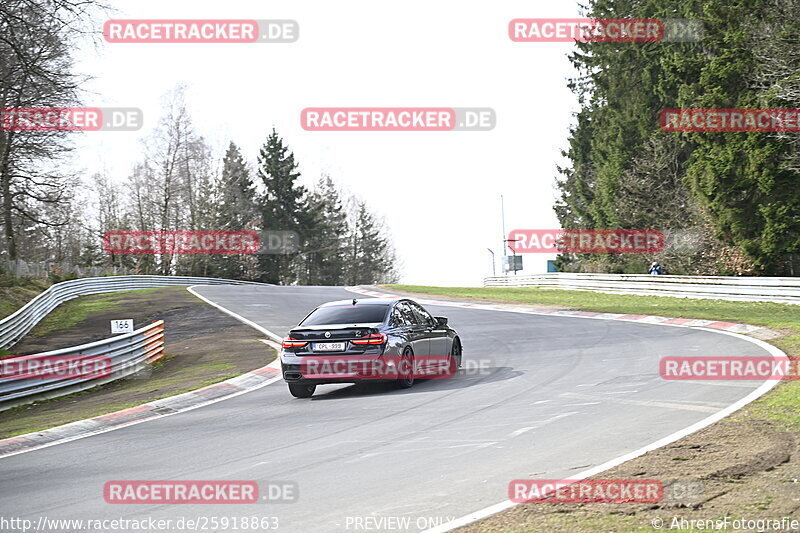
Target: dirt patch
(746,468)
(181,311)
(202,346)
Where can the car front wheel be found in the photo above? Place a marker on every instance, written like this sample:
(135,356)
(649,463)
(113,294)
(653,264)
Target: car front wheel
(406,380)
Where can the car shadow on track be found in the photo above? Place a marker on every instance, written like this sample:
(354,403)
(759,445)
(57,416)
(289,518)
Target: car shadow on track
(462,380)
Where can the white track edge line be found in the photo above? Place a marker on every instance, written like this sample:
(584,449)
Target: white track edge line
(697,426)
(240,318)
(100,431)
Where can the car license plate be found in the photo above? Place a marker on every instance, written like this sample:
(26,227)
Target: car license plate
(328,346)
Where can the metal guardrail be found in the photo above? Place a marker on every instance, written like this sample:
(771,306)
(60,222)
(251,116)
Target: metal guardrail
(124,355)
(769,289)
(18,324)
(121,356)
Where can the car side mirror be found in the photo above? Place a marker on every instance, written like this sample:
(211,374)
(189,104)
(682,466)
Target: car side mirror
(441,321)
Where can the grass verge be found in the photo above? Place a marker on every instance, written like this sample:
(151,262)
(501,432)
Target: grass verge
(749,463)
(203,346)
(76,311)
(114,396)
(16,292)
(772,315)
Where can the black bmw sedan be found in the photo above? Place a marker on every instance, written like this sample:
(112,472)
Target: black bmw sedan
(348,341)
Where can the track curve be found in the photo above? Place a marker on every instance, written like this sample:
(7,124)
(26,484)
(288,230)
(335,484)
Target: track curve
(560,394)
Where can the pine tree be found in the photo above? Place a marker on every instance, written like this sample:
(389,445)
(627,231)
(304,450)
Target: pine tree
(323,262)
(236,210)
(371,256)
(741,185)
(746,180)
(281,206)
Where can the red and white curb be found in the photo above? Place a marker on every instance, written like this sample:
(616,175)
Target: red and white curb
(223,390)
(250,381)
(742,331)
(747,329)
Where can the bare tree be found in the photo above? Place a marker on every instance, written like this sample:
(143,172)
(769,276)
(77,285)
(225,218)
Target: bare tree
(167,156)
(36,70)
(172,187)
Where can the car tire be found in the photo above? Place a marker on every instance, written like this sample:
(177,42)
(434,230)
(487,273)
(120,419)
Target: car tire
(456,352)
(300,390)
(408,381)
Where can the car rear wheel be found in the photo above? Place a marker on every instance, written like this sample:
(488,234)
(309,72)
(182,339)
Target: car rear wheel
(299,390)
(406,370)
(455,356)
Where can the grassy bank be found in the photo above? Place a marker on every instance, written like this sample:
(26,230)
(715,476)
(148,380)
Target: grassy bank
(203,346)
(760,442)
(16,292)
(781,317)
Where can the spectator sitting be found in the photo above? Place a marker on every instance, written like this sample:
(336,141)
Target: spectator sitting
(656,269)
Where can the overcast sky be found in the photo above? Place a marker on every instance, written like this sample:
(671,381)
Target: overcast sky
(439,192)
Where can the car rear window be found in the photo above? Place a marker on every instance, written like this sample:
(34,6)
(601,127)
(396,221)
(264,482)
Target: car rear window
(346,314)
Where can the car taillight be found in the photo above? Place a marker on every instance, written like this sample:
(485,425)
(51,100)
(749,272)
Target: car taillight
(289,342)
(372,338)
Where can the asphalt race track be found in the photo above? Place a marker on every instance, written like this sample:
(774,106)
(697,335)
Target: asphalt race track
(558,396)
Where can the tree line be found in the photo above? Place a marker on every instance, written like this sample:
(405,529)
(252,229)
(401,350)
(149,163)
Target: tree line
(729,201)
(178,183)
